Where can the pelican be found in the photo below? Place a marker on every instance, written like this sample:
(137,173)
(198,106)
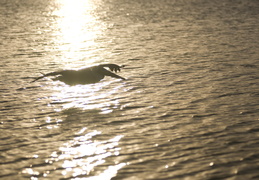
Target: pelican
(87,75)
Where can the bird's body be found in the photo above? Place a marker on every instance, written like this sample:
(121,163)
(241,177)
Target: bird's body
(84,76)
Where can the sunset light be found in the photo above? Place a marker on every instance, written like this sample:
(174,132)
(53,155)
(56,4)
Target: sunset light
(76,29)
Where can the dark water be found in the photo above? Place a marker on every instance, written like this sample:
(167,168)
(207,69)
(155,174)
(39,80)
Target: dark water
(189,108)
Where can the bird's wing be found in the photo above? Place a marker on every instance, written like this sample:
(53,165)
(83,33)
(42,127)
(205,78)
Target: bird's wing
(48,74)
(109,73)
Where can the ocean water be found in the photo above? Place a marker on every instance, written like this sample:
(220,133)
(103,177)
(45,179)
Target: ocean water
(189,108)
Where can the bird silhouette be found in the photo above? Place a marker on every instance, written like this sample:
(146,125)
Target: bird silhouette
(87,75)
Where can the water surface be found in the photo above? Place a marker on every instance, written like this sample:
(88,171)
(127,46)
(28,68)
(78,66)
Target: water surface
(188,109)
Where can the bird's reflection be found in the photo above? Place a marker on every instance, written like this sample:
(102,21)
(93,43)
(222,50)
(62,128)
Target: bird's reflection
(86,75)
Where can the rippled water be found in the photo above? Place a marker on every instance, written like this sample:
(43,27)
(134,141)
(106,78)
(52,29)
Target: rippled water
(188,109)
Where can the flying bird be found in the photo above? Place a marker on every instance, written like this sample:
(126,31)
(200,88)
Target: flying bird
(87,75)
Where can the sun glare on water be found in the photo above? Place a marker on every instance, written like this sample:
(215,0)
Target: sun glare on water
(76,30)
(96,151)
